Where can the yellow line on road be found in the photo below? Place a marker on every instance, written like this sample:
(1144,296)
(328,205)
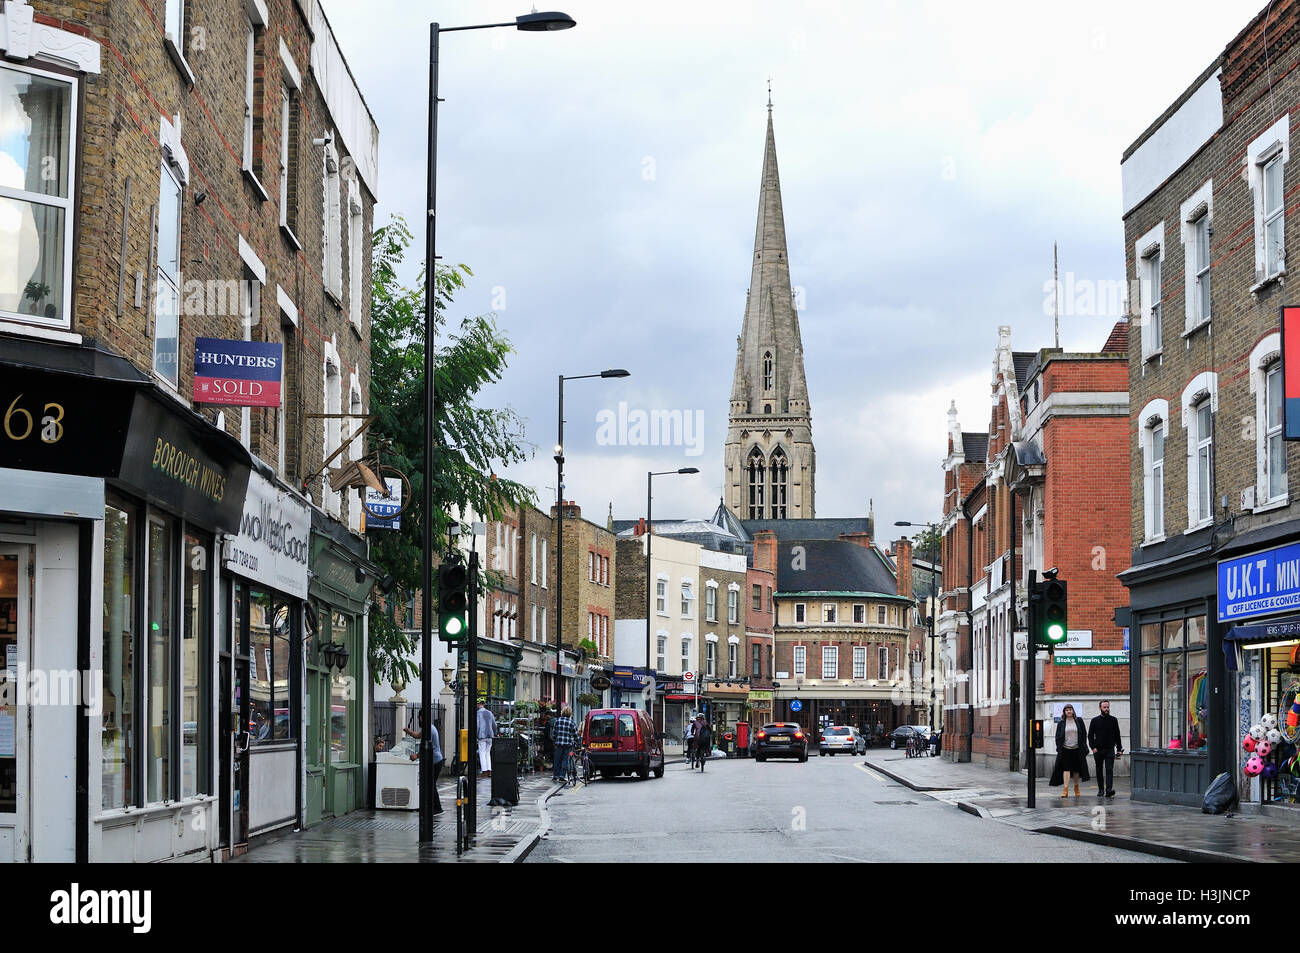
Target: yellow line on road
(865,770)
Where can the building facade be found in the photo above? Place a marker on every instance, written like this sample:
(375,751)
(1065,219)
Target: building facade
(1205,232)
(170,188)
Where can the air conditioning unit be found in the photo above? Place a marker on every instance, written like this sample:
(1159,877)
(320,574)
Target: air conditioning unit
(1248,499)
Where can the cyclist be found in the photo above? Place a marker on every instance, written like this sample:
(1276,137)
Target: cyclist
(566,735)
(703,741)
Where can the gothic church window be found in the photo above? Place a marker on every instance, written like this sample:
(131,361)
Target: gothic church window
(757,475)
(778,470)
(767,371)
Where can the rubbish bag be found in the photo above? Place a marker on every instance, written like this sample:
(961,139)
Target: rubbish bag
(1220,795)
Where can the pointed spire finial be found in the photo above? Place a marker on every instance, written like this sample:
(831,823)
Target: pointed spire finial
(769,95)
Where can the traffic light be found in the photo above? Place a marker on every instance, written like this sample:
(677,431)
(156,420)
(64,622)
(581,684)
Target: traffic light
(453,600)
(1036,733)
(1053,605)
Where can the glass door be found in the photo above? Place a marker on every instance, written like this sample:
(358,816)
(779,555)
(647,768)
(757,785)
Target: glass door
(15,611)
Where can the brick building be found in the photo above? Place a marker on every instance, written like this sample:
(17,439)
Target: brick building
(1039,489)
(185,169)
(1205,223)
(760,614)
(587,609)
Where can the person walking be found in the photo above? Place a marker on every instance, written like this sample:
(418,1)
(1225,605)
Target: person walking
(1105,742)
(1071,759)
(566,736)
(487,730)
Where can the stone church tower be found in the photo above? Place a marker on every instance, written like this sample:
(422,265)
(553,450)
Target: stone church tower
(768,457)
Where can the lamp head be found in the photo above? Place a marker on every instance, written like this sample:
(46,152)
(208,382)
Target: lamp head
(689,470)
(615,372)
(544,22)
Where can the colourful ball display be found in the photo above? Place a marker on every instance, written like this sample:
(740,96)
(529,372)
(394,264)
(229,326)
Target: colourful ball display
(1274,737)
(1269,721)
(1270,770)
(1263,749)
(1248,743)
(1257,732)
(1254,765)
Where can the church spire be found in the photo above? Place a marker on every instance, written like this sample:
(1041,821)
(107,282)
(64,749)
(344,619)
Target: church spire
(769,453)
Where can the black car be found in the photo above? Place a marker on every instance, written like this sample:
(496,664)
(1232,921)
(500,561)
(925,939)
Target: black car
(899,737)
(779,740)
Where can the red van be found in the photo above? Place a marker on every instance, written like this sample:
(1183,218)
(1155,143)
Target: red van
(623,740)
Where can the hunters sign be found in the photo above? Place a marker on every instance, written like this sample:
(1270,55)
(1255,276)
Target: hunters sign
(237,373)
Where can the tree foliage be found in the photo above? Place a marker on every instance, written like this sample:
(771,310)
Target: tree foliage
(470,442)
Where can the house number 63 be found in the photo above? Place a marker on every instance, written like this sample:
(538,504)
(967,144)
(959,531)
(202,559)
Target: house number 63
(51,423)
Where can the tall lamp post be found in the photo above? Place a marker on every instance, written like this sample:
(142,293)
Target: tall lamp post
(529,22)
(559,515)
(649,592)
(929,619)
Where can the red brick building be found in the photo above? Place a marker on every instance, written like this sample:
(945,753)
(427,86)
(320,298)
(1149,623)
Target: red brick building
(1043,488)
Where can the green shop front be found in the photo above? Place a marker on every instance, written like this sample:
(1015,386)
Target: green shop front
(498,666)
(336,675)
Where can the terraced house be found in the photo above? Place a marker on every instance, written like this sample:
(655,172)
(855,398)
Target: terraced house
(186,195)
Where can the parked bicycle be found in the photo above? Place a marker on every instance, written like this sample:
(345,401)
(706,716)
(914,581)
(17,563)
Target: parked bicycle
(579,767)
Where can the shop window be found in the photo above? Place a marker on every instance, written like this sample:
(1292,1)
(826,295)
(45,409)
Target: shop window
(196,683)
(269,624)
(162,596)
(36,212)
(1174,704)
(340,693)
(121,527)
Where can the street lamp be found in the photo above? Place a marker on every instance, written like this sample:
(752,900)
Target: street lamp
(929,617)
(559,503)
(529,22)
(649,534)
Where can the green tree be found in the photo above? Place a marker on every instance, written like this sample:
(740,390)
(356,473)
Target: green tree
(470,442)
(927,544)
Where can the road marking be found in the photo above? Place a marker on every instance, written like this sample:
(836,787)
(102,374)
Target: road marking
(865,770)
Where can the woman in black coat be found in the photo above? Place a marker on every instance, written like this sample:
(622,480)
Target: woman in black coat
(1071,752)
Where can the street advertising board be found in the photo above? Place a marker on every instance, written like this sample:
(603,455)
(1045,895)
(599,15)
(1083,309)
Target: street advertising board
(1260,583)
(385,505)
(1290,373)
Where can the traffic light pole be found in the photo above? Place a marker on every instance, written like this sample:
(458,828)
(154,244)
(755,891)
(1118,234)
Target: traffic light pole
(1031,689)
(471,696)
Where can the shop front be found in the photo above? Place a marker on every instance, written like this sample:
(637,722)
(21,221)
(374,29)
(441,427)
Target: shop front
(1259,595)
(260,661)
(112,496)
(760,707)
(875,714)
(337,678)
(628,686)
(727,701)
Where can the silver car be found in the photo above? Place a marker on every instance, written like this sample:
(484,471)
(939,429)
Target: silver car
(836,739)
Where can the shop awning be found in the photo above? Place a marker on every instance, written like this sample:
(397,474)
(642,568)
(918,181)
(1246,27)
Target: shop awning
(1253,636)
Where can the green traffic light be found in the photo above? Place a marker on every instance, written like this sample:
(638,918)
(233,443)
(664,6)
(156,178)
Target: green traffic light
(453,626)
(1055,633)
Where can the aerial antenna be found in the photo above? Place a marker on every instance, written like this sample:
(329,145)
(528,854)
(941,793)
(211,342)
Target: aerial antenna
(1056,297)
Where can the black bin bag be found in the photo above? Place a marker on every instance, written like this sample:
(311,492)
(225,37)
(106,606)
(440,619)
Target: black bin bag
(1220,795)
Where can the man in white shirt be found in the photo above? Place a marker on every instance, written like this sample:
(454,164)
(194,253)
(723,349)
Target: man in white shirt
(487,729)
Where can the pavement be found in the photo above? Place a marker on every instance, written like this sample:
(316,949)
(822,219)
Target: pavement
(505,834)
(1164,830)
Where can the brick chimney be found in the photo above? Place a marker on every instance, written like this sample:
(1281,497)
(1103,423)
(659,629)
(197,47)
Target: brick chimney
(572,510)
(903,557)
(765,550)
(857,539)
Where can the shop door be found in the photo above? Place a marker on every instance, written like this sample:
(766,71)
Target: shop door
(15,649)
(235,714)
(316,685)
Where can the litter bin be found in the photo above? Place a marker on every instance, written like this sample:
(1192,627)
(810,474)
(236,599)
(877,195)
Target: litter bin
(505,771)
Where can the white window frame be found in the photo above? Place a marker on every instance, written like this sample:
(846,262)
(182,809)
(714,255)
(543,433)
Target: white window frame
(711,659)
(1148,257)
(731,659)
(859,661)
(829,613)
(250,53)
(830,661)
(880,615)
(859,613)
(1273,145)
(1197,218)
(688,596)
(332,384)
(882,662)
(545,544)
(688,652)
(332,226)
(661,595)
(661,645)
(733,604)
(711,601)
(356,258)
(1265,360)
(800,660)
(65,202)
(1154,472)
(165,284)
(286,123)
(1201,388)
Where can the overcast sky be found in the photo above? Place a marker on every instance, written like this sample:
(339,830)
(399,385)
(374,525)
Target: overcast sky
(602,183)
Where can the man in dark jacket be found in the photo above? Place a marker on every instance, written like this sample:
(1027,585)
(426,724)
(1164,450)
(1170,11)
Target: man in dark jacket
(1105,742)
